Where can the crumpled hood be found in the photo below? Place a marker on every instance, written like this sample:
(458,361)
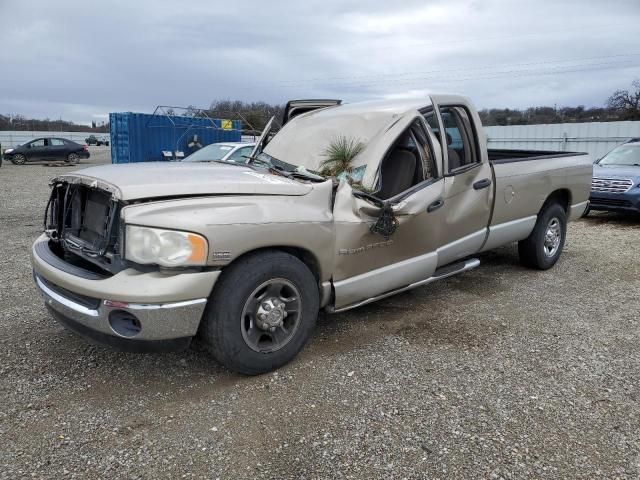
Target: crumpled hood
(616,171)
(166,179)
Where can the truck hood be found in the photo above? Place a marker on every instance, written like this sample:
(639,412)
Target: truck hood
(616,171)
(163,179)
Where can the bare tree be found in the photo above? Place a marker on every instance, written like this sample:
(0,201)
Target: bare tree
(626,102)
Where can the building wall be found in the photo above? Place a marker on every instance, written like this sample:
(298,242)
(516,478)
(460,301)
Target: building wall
(595,138)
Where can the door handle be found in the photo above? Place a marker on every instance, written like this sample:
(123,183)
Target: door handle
(480,184)
(435,205)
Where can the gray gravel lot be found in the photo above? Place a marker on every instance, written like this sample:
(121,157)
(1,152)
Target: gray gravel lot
(501,372)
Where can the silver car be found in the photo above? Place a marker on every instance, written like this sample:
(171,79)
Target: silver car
(235,152)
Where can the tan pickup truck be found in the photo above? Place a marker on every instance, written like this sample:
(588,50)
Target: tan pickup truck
(149,256)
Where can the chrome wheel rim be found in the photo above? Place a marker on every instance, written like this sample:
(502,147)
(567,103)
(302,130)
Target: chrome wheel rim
(74,158)
(19,159)
(552,237)
(271,315)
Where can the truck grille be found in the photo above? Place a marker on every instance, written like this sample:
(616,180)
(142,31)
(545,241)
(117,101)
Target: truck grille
(611,185)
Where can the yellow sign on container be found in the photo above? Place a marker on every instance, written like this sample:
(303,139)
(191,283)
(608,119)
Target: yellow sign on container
(226,124)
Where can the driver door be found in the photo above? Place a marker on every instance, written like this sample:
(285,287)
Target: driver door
(36,150)
(367,263)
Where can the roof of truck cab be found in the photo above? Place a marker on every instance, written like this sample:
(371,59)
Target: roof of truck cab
(304,139)
(387,107)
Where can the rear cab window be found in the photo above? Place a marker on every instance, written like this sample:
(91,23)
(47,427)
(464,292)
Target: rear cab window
(458,138)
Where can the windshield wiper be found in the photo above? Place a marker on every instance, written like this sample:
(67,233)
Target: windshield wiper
(307,175)
(271,168)
(225,162)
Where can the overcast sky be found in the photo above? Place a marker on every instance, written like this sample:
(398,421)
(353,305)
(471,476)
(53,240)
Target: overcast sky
(80,60)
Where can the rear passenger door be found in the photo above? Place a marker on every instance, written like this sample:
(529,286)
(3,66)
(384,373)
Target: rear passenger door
(468,195)
(57,149)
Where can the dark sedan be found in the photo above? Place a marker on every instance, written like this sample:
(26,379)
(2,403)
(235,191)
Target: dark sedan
(616,180)
(47,149)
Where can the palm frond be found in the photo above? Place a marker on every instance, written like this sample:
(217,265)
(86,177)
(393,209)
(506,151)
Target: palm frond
(339,155)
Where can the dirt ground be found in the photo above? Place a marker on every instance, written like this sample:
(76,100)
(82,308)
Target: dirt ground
(501,372)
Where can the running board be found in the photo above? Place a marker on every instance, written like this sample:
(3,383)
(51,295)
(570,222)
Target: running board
(439,274)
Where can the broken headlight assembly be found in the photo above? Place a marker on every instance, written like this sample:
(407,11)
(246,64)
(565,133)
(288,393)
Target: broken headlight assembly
(167,248)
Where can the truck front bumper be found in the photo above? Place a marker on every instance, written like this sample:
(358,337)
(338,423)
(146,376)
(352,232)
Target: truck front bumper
(130,311)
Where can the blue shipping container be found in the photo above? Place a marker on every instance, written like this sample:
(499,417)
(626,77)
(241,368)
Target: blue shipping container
(141,137)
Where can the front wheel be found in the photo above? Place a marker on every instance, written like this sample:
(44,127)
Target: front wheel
(543,247)
(18,159)
(261,313)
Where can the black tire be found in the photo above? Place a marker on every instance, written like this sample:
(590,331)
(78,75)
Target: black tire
(539,250)
(228,336)
(73,158)
(18,159)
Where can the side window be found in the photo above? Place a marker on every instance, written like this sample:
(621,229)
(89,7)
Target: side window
(409,162)
(460,140)
(237,156)
(56,142)
(37,143)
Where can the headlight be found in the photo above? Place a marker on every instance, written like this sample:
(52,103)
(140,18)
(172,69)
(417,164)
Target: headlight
(169,248)
(8,150)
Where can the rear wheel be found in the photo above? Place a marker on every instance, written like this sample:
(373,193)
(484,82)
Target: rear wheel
(261,313)
(544,246)
(73,158)
(18,159)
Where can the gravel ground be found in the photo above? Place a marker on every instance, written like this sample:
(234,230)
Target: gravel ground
(501,372)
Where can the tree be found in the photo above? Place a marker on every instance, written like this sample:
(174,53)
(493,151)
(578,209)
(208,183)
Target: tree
(626,103)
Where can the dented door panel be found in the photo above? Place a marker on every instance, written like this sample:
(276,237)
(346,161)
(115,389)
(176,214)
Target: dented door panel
(363,258)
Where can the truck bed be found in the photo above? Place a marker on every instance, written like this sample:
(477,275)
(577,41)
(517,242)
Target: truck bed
(498,155)
(524,179)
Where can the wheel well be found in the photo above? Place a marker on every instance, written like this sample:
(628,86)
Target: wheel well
(304,255)
(561,197)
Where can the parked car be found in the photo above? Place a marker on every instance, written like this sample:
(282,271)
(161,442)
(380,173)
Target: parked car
(227,152)
(93,140)
(49,149)
(149,255)
(616,180)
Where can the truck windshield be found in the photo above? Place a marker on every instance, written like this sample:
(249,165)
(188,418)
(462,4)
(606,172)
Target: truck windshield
(209,153)
(624,155)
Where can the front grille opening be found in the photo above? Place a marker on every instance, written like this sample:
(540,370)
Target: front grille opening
(611,202)
(87,215)
(83,225)
(611,185)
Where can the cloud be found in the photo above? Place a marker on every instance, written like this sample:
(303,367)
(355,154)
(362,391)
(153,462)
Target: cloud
(76,59)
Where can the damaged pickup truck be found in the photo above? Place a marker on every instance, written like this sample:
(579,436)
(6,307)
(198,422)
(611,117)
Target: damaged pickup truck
(148,256)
